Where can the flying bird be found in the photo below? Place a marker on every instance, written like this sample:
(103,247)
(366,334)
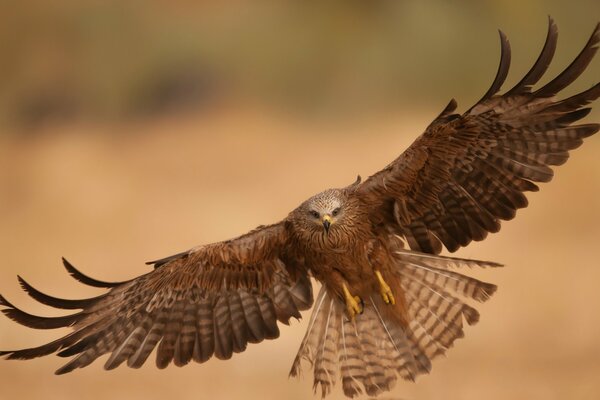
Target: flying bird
(389,302)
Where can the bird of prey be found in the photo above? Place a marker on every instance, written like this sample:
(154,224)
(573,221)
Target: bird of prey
(389,302)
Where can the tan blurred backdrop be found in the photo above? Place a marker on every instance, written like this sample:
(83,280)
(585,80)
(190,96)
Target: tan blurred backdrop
(130,131)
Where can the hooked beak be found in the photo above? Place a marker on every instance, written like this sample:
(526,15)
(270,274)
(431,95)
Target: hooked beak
(326,222)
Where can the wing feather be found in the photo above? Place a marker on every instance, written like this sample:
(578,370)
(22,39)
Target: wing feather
(503,68)
(574,69)
(468,172)
(541,65)
(211,300)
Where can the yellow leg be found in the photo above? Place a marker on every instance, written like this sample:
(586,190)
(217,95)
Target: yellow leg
(353,303)
(386,292)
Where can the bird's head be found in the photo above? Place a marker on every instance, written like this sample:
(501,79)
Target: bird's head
(324,211)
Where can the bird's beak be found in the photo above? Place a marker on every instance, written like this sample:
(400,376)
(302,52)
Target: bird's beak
(326,222)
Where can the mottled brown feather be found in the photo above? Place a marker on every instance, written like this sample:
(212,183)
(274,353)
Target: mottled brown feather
(190,306)
(486,158)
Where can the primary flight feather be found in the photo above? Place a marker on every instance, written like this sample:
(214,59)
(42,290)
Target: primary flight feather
(389,303)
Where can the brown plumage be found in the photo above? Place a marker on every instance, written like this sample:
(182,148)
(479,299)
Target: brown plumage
(385,309)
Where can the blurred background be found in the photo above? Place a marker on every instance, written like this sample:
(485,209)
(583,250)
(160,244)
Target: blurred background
(132,130)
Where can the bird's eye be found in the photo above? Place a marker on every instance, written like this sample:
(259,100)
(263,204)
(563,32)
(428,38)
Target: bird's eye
(336,212)
(314,213)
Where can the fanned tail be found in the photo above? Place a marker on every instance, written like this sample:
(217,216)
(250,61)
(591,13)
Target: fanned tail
(370,352)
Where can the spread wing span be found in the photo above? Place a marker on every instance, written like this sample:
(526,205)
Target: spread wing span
(467,172)
(211,300)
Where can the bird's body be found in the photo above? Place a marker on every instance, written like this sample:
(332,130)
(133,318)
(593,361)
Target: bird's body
(341,247)
(389,303)
(350,250)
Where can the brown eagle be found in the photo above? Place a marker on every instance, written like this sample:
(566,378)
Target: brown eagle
(389,303)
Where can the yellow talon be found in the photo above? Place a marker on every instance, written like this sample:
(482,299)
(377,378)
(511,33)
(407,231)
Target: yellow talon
(386,292)
(353,303)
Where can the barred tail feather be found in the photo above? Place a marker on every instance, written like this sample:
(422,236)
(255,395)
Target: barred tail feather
(375,348)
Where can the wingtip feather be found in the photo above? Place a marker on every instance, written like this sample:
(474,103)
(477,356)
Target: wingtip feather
(503,68)
(575,69)
(86,280)
(541,64)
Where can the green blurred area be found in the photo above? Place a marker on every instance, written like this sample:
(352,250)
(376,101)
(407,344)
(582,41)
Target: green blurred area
(107,60)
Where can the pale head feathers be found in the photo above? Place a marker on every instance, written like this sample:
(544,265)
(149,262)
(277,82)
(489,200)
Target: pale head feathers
(329,205)
(327,213)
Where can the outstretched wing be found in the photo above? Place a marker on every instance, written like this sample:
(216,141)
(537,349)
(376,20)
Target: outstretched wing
(210,300)
(467,172)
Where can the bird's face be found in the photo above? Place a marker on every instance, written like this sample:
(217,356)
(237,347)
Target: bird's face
(324,211)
